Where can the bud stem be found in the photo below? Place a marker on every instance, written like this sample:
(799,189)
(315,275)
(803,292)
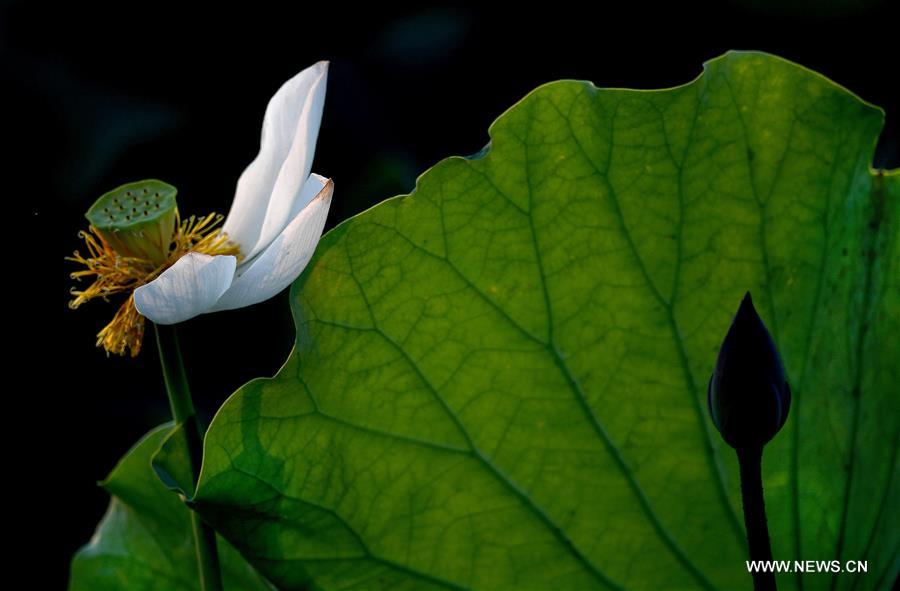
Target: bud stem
(750,460)
(183,412)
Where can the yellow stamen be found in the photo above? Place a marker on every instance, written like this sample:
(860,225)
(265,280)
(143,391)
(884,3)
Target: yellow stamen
(126,331)
(114,274)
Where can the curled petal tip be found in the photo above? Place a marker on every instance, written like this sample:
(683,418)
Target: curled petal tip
(327,190)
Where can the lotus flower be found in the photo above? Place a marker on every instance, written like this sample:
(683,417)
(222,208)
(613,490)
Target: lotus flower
(276,218)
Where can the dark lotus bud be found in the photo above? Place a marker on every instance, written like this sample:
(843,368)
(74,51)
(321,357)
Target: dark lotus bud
(749,396)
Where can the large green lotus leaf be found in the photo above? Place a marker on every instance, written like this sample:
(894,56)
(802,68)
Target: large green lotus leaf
(499,381)
(144,542)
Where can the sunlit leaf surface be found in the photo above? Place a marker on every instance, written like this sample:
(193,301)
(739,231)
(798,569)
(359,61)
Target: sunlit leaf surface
(499,381)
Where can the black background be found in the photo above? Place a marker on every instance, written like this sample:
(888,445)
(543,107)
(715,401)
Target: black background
(95,97)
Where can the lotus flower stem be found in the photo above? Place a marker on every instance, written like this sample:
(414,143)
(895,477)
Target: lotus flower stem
(184,414)
(750,460)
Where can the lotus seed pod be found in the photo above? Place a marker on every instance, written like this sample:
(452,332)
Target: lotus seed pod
(137,219)
(748,395)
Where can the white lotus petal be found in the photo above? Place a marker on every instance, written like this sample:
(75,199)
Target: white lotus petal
(311,189)
(268,188)
(186,289)
(284,259)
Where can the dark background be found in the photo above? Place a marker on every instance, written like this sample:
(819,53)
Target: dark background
(95,97)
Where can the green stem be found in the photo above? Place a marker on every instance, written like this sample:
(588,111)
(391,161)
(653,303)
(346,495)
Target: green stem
(750,460)
(183,412)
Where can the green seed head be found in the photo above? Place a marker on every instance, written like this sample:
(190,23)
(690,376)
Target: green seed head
(137,219)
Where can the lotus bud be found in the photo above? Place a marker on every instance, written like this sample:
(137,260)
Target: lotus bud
(748,396)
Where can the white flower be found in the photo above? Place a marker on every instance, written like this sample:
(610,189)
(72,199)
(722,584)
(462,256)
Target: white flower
(276,218)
